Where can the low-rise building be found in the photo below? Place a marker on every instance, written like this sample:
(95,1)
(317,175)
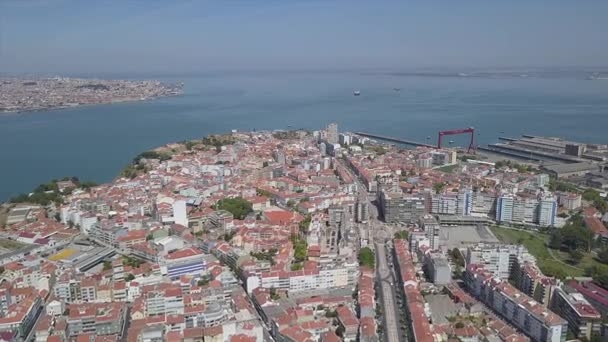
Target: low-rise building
(189,261)
(96,318)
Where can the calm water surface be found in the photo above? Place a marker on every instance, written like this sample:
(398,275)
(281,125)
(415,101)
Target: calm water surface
(95,142)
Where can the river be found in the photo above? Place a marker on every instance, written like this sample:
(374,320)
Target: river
(95,142)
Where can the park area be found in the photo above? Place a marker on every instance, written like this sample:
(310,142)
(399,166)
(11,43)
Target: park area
(551,262)
(10,245)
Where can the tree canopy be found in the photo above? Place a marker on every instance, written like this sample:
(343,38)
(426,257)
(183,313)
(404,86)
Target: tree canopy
(366,257)
(519,167)
(47,193)
(403,234)
(598,201)
(238,207)
(300,248)
(304,224)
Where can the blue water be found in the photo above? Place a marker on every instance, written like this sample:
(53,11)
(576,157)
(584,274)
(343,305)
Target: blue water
(95,142)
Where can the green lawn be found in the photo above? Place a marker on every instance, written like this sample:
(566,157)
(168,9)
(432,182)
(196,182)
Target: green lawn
(447,168)
(535,243)
(10,244)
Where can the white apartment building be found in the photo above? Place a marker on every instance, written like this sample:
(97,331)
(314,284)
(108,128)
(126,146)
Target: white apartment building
(531,317)
(540,210)
(496,258)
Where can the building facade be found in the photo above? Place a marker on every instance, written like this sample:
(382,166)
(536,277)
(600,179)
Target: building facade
(398,207)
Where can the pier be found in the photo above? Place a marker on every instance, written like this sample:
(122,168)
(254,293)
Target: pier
(395,140)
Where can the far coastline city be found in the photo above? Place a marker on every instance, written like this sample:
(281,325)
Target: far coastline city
(427,188)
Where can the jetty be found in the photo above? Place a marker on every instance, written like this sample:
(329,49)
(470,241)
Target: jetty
(395,140)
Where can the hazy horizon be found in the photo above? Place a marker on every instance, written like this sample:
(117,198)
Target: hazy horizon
(67,36)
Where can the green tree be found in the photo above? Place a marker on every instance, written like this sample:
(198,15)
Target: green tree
(305,224)
(331,313)
(203,281)
(228,236)
(107,265)
(602,256)
(238,207)
(598,202)
(403,234)
(576,255)
(438,187)
(300,249)
(129,277)
(162,156)
(457,257)
(366,257)
(575,236)
(273,294)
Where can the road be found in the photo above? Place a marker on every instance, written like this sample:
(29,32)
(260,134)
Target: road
(385,277)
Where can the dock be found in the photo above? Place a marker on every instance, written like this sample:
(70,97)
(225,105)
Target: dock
(395,140)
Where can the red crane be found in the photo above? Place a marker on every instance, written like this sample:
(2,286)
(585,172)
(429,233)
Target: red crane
(469,130)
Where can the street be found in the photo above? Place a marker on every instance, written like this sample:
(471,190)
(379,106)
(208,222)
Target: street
(385,278)
(381,233)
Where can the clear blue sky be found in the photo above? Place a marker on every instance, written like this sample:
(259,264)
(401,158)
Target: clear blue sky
(186,36)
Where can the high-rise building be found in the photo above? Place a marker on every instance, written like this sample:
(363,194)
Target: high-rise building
(465,202)
(362,211)
(497,258)
(460,203)
(336,215)
(576,150)
(542,179)
(331,134)
(440,157)
(432,229)
(323,148)
(539,210)
(444,204)
(397,207)
(570,200)
(484,203)
(528,278)
(424,161)
(344,139)
(547,211)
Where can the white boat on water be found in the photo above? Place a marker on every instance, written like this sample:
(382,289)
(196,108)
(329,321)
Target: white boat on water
(357,92)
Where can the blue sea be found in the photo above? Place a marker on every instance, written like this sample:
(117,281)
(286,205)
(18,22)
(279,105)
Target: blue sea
(96,142)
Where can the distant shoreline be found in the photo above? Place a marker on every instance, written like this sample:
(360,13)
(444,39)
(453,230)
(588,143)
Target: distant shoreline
(19,95)
(51,109)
